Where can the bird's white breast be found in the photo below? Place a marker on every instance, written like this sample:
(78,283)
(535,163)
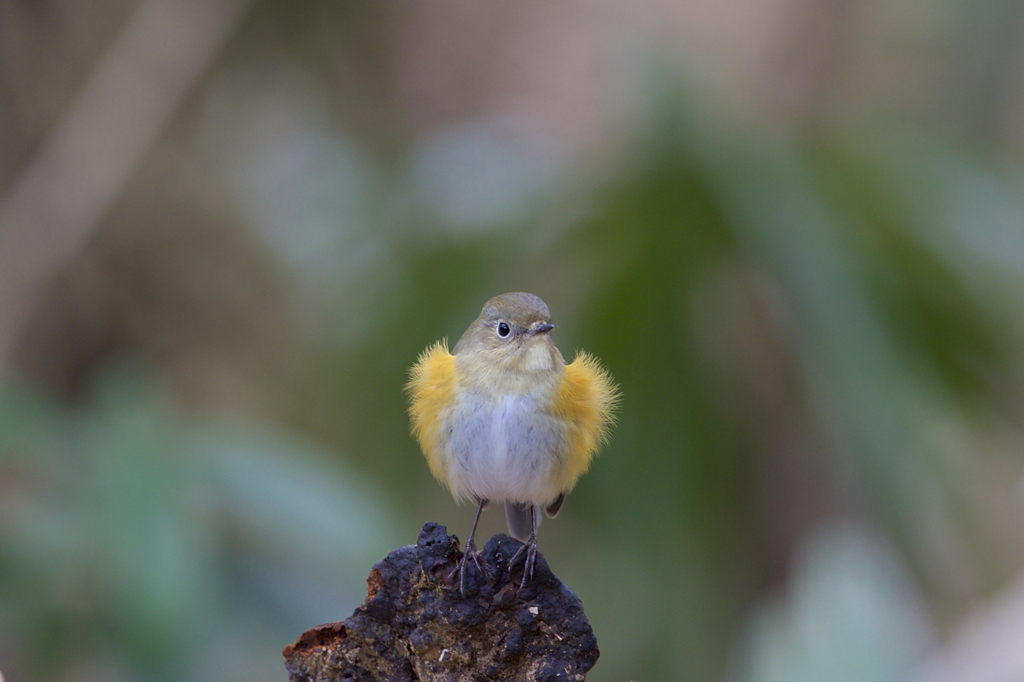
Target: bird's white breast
(502,447)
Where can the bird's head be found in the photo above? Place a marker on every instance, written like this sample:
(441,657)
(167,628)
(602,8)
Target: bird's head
(513,332)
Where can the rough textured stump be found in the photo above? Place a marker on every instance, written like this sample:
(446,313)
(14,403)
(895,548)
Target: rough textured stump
(415,625)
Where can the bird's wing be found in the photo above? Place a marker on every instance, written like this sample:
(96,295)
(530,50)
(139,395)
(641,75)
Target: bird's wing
(552,509)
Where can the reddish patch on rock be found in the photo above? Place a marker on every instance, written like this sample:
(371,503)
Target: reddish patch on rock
(374,583)
(319,636)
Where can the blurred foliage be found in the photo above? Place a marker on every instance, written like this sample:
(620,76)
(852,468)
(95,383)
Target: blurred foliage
(733,291)
(852,617)
(749,299)
(138,545)
(752,300)
(810,324)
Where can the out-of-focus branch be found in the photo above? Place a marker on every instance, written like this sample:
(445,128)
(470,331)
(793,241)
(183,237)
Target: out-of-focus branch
(92,152)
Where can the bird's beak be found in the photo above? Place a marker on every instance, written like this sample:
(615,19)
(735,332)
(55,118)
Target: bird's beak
(541,328)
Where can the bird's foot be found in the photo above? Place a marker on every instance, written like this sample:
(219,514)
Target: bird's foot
(530,548)
(471,552)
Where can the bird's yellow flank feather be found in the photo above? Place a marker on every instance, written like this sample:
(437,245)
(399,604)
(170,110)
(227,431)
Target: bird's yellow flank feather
(586,399)
(431,389)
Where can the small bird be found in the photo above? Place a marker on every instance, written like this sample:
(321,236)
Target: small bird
(503,418)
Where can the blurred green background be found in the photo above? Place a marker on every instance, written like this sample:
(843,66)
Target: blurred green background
(792,230)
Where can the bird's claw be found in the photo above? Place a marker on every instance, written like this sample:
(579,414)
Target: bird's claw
(530,547)
(471,552)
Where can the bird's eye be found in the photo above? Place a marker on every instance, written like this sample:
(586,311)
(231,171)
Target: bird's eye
(503,330)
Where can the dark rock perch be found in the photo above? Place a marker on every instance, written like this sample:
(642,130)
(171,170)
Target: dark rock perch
(415,625)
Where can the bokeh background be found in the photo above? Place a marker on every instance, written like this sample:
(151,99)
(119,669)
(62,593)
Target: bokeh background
(792,229)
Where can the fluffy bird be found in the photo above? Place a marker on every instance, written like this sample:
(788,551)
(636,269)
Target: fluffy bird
(503,418)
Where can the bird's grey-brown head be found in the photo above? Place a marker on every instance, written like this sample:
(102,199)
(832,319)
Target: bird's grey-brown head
(508,320)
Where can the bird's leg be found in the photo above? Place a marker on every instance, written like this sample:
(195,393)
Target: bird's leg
(470,550)
(531,551)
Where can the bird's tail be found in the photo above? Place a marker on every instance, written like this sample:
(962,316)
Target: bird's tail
(520,517)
